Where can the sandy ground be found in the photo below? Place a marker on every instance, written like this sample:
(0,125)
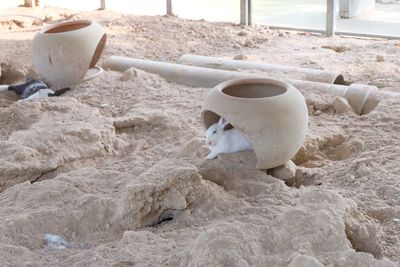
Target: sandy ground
(117,167)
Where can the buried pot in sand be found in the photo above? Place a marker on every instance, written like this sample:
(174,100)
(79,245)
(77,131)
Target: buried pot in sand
(272,115)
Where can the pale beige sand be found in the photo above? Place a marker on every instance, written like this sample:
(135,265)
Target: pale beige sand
(104,164)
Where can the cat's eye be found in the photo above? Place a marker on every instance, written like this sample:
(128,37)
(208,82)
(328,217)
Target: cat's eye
(214,132)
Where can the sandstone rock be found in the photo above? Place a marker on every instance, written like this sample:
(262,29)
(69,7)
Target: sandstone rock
(64,133)
(248,43)
(349,178)
(130,74)
(363,233)
(140,116)
(163,190)
(231,171)
(240,57)
(304,177)
(317,112)
(341,105)
(322,144)
(286,172)
(236,46)
(337,48)
(348,149)
(362,259)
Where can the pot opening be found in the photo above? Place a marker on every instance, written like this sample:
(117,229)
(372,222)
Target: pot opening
(340,80)
(69,26)
(99,51)
(209,118)
(256,90)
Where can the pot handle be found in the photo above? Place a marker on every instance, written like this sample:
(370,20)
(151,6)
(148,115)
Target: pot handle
(92,73)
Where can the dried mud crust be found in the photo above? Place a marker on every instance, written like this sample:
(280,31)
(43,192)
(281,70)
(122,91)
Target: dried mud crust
(116,166)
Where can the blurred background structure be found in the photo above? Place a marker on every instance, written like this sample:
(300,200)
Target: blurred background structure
(373,18)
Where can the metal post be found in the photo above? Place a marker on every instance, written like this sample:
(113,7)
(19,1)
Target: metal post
(244,12)
(102,4)
(250,12)
(169,8)
(331,17)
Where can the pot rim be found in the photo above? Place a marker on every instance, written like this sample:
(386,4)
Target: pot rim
(55,25)
(250,81)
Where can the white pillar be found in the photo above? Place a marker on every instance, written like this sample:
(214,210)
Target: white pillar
(102,4)
(169,8)
(331,17)
(250,12)
(29,3)
(244,12)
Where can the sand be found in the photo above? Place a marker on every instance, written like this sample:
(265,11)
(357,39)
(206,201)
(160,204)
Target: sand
(116,167)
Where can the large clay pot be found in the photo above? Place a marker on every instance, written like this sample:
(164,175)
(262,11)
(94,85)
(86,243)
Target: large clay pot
(271,114)
(64,52)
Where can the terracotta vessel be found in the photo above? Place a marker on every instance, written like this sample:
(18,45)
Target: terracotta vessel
(271,114)
(64,52)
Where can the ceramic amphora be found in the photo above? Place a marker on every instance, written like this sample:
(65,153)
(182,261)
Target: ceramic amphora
(271,114)
(66,53)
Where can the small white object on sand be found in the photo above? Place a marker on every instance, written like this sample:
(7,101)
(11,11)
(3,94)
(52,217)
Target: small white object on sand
(57,242)
(42,93)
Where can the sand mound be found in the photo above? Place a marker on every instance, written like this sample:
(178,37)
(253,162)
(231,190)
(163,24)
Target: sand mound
(38,138)
(262,222)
